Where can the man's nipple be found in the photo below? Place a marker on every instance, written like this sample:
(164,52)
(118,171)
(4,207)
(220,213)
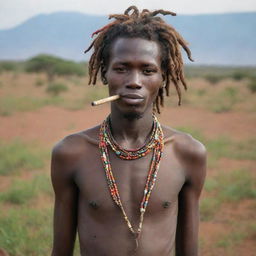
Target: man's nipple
(166,204)
(94,205)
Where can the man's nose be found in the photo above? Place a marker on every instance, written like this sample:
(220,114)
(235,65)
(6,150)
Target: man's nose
(134,81)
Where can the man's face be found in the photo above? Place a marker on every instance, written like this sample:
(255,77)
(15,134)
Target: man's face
(134,72)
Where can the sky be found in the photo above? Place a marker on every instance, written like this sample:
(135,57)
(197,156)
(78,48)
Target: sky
(14,12)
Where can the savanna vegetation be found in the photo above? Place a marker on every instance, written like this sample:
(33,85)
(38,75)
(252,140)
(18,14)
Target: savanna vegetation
(45,98)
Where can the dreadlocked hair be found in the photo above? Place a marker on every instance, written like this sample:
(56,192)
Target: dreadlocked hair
(148,26)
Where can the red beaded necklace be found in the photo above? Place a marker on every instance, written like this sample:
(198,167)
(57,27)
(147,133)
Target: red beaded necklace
(155,143)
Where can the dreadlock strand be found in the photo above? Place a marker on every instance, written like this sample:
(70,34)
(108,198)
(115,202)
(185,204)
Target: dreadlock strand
(167,85)
(157,105)
(163,12)
(144,11)
(182,78)
(119,17)
(103,28)
(161,96)
(186,49)
(96,70)
(178,91)
(90,47)
(135,11)
(91,64)
(97,65)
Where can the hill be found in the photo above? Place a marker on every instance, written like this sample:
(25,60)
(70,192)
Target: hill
(218,39)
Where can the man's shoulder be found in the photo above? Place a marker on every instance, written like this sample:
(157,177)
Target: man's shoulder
(185,146)
(74,143)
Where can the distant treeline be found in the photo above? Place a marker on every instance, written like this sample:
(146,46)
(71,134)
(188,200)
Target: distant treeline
(43,63)
(52,66)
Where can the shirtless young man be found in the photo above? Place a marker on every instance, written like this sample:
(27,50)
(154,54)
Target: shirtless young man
(138,55)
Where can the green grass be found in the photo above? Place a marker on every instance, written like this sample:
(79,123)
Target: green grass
(231,239)
(238,232)
(225,100)
(210,184)
(224,188)
(197,134)
(16,156)
(12,104)
(251,230)
(26,232)
(235,186)
(224,146)
(21,192)
(208,208)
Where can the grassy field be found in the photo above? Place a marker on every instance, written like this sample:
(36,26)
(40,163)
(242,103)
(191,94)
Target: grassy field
(219,109)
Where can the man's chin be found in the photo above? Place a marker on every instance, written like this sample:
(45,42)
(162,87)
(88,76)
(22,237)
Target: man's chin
(132,115)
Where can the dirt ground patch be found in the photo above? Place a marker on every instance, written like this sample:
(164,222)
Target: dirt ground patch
(50,124)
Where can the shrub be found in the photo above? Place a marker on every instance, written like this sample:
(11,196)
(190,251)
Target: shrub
(56,88)
(8,66)
(225,100)
(239,75)
(213,79)
(39,82)
(252,85)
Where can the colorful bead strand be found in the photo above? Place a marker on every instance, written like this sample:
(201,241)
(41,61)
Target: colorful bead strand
(155,143)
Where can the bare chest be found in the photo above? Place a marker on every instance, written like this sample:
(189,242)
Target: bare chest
(130,177)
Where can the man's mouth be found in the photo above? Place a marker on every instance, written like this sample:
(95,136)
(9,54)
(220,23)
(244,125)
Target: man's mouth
(132,98)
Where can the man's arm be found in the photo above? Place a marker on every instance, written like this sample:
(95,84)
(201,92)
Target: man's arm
(193,156)
(66,193)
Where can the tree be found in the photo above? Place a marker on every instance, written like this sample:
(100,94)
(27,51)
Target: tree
(52,66)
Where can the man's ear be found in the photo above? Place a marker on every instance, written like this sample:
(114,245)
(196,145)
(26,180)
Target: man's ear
(103,75)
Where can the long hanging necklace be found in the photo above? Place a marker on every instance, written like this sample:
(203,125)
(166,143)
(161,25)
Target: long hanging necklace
(155,143)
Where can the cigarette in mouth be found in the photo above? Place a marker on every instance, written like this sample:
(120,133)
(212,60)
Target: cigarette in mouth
(104,100)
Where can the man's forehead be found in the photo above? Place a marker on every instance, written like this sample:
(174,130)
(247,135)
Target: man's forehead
(135,48)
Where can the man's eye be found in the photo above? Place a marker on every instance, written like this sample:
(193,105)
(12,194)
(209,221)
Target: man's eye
(119,69)
(148,71)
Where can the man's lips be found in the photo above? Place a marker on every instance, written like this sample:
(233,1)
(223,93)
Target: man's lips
(132,98)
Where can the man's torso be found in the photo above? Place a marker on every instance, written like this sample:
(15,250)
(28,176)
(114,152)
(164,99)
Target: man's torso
(101,226)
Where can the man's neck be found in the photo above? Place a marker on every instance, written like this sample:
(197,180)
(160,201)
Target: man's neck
(131,131)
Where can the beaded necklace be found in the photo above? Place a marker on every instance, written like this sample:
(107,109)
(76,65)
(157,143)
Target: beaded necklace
(155,143)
